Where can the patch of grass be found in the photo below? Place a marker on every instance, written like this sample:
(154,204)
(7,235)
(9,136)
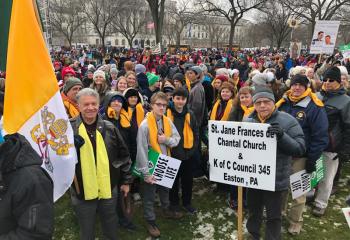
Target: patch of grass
(214,219)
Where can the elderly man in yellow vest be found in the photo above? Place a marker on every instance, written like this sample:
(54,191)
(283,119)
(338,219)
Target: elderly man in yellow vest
(103,163)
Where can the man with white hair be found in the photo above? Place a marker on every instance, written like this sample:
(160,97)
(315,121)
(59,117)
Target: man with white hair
(103,162)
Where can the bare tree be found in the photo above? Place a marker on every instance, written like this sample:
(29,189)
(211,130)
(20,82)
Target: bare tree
(100,13)
(275,19)
(232,10)
(312,10)
(179,17)
(66,18)
(157,11)
(128,20)
(214,29)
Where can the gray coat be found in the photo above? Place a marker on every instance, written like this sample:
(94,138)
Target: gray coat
(196,102)
(291,144)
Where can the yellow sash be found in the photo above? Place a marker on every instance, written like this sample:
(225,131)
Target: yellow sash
(71,107)
(247,111)
(226,112)
(95,173)
(124,120)
(140,113)
(188,84)
(153,131)
(187,130)
(308,92)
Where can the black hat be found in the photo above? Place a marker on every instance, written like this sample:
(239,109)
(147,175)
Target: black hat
(332,73)
(179,76)
(129,92)
(301,79)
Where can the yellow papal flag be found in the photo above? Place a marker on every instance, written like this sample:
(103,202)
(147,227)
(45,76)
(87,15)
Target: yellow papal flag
(33,105)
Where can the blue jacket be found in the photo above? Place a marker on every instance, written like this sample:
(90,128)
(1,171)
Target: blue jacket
(314,122)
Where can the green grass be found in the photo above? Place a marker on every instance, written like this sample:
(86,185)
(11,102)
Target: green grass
(214,219)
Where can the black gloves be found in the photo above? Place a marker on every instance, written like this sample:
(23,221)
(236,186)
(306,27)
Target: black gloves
(310,166)
(275,128)
(78,141)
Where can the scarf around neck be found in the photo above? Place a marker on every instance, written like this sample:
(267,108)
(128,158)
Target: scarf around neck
(153,131)
(226,111)
(187,130)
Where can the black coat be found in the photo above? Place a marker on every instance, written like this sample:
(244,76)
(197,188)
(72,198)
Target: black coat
(118,154)
(179,152)
(26,207)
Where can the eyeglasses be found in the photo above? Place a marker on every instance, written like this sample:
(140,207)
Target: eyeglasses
(265,102)
(329,80)
(161,105)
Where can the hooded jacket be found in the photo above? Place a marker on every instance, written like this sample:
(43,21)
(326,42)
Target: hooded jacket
(26,205)
(128,135)
(291,144)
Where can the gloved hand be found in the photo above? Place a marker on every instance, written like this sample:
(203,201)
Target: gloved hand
(78,141)
(310,166)
(276,129)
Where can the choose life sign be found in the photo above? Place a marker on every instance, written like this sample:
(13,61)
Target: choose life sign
(162,167)
(242,154)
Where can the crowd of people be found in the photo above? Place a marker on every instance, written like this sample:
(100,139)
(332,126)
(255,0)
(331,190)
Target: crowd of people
(135,101)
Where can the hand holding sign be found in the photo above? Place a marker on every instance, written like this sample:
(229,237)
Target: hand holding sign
(161,139)
(150,179)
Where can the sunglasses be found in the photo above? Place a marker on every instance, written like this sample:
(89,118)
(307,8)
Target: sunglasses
(329,80)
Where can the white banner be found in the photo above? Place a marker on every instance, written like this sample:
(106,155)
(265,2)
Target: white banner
(300,183)
(166,170)
(242,154)
(324,37)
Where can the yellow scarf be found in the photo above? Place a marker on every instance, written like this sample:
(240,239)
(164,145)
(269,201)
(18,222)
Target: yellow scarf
(71,107)
(247,111)
(140,113)
(95,173)
(153,131)
(226,112)
(187,130)
(188,84)
(124,120)
(263,120)
(308,92)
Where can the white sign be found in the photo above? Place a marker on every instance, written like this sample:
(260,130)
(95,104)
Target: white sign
(346,212)
(295,49)
(300,183)
(166,170)
(242,154)
(324,37)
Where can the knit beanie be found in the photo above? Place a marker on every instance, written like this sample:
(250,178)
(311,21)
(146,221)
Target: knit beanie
(196,69)
(67,70)
(99,73)
(262,92)
(139,68)
(333,73)
(222,77)
(260,79)
(152,78)
(301,79)
(70,83)
(113,70)
(180,77)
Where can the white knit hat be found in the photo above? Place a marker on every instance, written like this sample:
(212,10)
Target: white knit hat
(99,73)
